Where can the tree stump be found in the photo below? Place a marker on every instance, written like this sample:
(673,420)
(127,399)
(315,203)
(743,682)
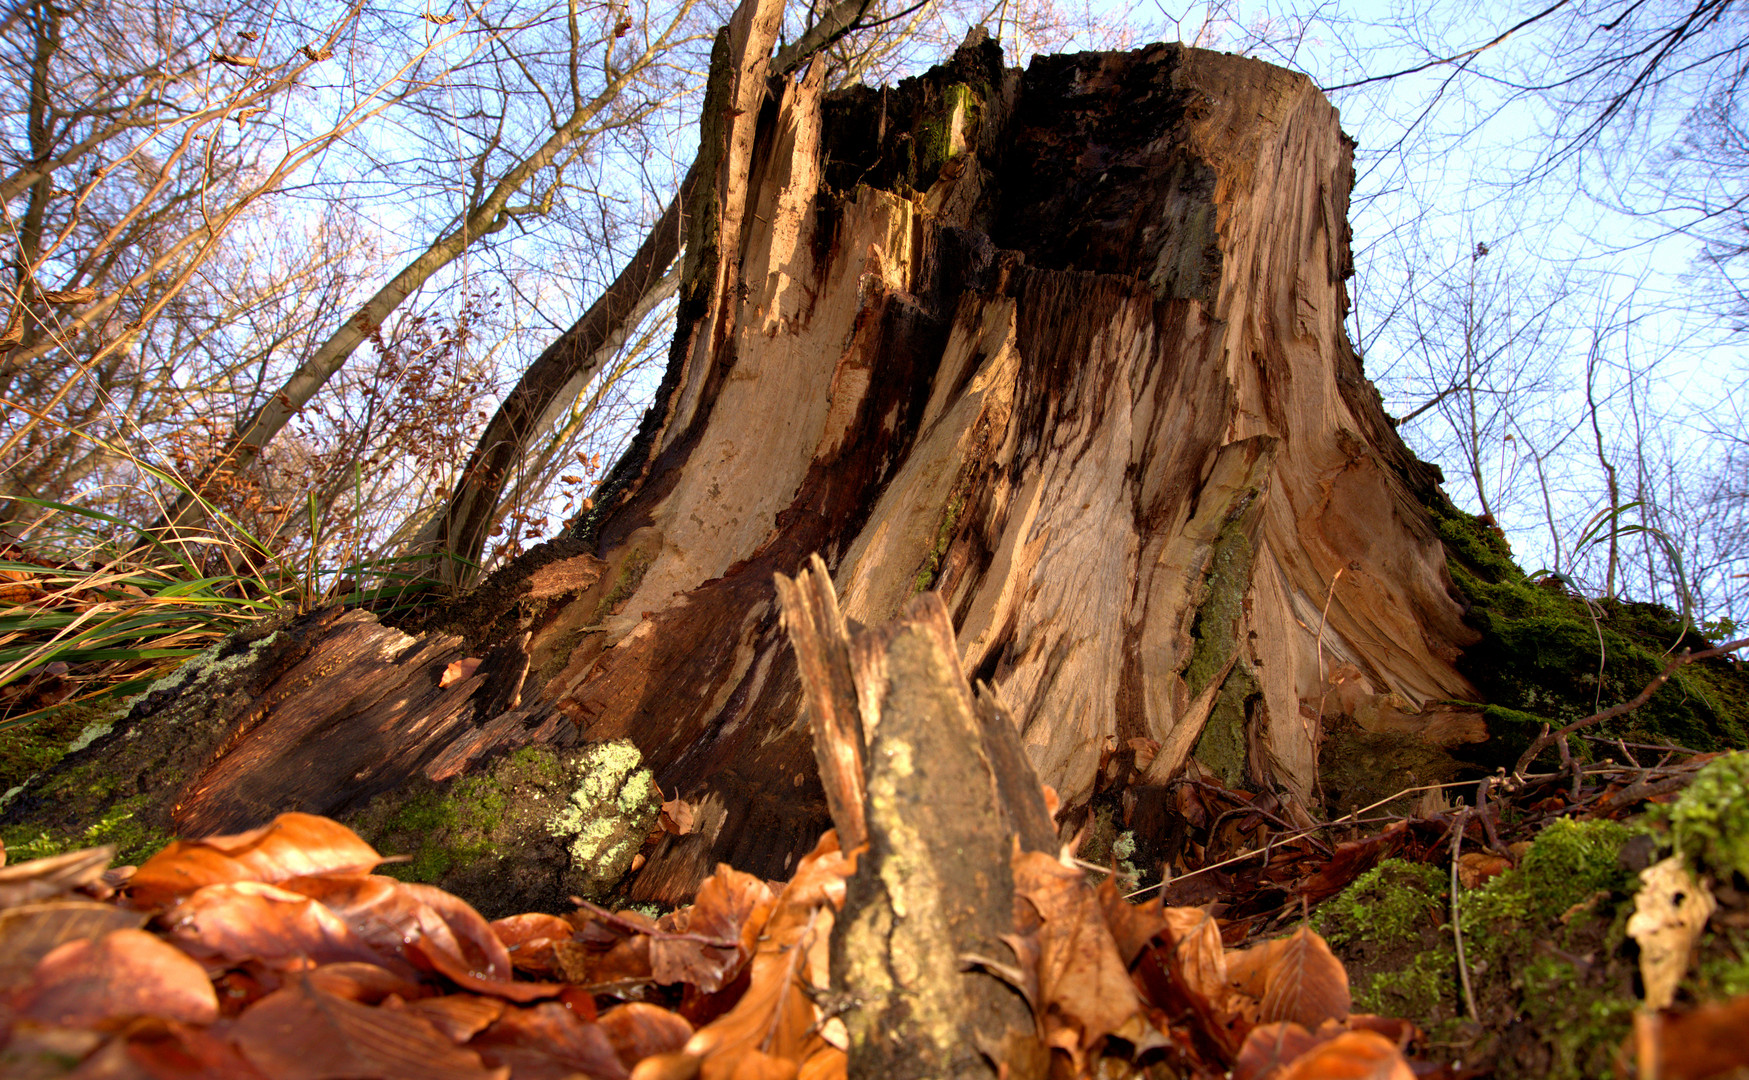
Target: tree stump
(1062,348)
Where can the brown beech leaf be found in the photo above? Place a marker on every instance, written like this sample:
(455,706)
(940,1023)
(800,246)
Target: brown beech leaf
(247,920)
(1196,954)
(1352,1055)
(535,926)
(30,931)
(549,1040)
(1270,1048)
(474,941)
(293,845)
(1704,1042)
(639,1030)
(40,879)
(1475,868)
(677,816)
(460,1016)
(121,974)
(364,983)
(303,1033)
(458,670)
(829,1063)
(730,908)
(532,942)
(1303,980)
(773,1028)
(1352,859)
(1083,980)
(1132,925)
(184,1052)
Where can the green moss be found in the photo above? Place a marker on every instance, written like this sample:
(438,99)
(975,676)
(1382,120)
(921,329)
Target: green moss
(1546,941)
(1424,988)
(1387,926)
(1570,863)
(1546,944)
(944,533)
(1222,745)
(1722,971)
(1388,904)
(1710,820)
(34,747)
(1545,656)
(134,842)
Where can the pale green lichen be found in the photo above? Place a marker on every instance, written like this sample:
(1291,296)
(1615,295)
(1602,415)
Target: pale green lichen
(608,815)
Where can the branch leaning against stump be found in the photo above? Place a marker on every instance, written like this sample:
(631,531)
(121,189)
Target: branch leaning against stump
(564,367)
(1550,738)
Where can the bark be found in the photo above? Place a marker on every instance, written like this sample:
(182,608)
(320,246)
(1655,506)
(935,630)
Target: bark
(935,782)
(1063,348)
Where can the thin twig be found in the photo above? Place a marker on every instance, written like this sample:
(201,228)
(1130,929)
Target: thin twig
(1457,929)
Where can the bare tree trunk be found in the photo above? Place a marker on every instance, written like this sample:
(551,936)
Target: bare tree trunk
(1064,347)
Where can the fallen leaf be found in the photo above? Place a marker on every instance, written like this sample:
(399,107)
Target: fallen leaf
(304,1033)
(677,816)
(30,932)
(124,973)
(294,845)
(40,879)
(367,984)
(1695,1045)
(459,1016)
(1083,981)
(548,1040)
(182,1051)
(721,926)
(1270,1048)
(458,670)
(1476,867)
(1670,912)
(1300,978)
(773,1027)
(1352,1055)
(1132,925)
(639,1030)
(247,920)
(1352,859)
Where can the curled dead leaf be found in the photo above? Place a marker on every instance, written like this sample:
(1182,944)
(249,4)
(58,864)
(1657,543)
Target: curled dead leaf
(1476,867)
(1670,911)
(124,973)
(305,1033)
(40,879)
(1352,1055)
(293,845)
(458,670)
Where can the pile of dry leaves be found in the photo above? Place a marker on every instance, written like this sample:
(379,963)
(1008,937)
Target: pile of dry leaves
(277,954)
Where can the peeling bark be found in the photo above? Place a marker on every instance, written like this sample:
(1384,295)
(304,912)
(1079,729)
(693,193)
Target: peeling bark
(1063,348)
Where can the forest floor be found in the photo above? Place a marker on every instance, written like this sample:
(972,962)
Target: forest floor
(1583,923)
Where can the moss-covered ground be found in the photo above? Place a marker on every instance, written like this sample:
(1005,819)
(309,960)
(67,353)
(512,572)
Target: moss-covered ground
(1548,655)
(535,827)
(1553,972)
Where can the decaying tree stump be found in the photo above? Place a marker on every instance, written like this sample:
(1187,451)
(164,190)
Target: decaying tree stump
(1062,348)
